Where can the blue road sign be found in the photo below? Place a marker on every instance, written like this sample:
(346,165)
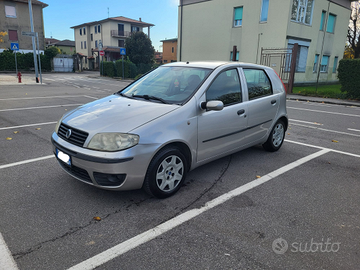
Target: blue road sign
(122,51)
(14,46)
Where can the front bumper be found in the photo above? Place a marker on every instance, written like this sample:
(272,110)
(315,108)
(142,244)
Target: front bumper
(123,170)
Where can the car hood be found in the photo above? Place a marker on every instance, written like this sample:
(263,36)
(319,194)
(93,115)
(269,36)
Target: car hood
(115,114)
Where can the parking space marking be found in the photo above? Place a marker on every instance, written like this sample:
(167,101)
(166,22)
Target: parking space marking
(145,237)
(353,129)
(312,123)
(30,125)
(25,162)
(43,107)
(344,114)
(328,130)
(7,261)
(7,99)
(91,97)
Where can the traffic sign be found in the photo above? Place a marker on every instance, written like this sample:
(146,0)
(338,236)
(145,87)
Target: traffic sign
(102,53)
(30,34)
(122,51)
(14,46)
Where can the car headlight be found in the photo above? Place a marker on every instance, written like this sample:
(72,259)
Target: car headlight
(113,141)
(58,125)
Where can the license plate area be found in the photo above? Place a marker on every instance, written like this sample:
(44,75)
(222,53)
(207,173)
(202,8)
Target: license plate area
(63,157)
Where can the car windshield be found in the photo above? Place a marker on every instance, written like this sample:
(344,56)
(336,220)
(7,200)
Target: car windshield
(171,85)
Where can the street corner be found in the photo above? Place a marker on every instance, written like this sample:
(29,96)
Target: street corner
(13,79)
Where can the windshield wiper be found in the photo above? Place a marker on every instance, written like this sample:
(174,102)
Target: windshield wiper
(147,97)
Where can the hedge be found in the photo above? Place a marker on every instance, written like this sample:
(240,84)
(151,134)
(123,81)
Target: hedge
(132,71)
(25,61)
(348,74)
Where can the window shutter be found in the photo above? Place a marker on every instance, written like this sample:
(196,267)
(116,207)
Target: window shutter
(331,23)
(238,13)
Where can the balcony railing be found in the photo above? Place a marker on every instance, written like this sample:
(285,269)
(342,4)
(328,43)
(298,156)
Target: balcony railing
(116,33)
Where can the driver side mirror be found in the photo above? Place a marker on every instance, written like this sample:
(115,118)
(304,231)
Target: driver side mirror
(212,105)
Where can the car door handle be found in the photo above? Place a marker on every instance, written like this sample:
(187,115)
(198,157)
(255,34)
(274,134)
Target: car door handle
(273,101)
(239,112)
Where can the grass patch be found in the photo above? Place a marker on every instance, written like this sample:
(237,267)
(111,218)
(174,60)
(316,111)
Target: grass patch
(325,91)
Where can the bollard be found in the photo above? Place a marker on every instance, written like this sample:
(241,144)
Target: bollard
(19,77)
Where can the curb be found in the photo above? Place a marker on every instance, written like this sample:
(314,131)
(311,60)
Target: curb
(326,101)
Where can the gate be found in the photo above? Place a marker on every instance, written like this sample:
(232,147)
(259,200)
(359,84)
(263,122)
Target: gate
(283,61)
(63,64)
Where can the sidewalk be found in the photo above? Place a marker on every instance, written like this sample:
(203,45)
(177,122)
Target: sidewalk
(13,79)
(344,102)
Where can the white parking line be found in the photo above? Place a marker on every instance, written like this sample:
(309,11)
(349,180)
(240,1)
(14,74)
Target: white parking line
(312,123)
(328,130)
(7,262)
(145,237)
(7,99)
(30,125)
(25,162)
(43,107)
(353,129)
(344,114)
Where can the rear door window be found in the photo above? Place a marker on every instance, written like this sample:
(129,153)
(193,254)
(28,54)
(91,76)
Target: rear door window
(258,83)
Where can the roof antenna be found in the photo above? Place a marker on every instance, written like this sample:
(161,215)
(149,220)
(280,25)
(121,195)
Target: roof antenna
(108,12)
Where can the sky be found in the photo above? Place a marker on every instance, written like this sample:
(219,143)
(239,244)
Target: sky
(59,16)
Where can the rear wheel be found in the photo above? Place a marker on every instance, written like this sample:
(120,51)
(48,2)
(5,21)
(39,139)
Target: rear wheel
(276,137)
(166,173)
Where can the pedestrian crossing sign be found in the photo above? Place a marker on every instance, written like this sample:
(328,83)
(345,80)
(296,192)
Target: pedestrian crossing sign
(122,51)
(14,46)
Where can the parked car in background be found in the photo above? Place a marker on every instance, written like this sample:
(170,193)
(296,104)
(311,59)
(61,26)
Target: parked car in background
(170,121)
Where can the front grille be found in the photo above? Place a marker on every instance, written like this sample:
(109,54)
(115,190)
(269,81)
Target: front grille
(76,171)
(77,136)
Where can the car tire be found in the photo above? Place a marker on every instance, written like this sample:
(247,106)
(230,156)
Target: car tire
(276,137)
(166,173)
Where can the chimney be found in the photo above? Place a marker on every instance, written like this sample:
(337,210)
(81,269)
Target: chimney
(140,19)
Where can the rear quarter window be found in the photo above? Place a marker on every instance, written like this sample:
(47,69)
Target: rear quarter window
(258,83)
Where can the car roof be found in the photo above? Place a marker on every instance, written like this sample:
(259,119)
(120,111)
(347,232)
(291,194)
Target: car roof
(214,64)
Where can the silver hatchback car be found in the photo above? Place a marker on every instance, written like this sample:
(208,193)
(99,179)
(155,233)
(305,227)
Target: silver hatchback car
(170,121)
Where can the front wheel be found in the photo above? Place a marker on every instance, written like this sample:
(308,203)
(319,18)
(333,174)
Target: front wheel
(166,173)
(276,137)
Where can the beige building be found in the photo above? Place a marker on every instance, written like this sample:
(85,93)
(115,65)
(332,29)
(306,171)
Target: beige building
(169,50)
(111,33)
(15,18)
(318,26)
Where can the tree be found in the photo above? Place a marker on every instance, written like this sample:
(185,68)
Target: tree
(354,31)
(139,49)
(2,34)
(52,51)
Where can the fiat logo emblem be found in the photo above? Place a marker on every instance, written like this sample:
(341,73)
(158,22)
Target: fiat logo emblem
(68,134)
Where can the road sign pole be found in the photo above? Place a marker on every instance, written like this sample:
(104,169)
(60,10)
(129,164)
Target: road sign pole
(33,41)
(37,37)
(16,64)
(123,66)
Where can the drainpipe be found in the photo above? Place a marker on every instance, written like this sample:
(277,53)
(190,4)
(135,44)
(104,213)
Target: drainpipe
(181,22)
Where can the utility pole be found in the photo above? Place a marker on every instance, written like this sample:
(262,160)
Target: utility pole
(33,42)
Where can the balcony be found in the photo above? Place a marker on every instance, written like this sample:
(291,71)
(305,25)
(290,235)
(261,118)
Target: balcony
(121,34)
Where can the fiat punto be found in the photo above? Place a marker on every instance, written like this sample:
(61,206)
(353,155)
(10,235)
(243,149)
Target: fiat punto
(170,121)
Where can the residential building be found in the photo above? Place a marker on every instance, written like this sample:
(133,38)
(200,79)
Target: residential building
(109,33)
(169,50)
(66,46)
(319,27)
(158,57)
(15,18)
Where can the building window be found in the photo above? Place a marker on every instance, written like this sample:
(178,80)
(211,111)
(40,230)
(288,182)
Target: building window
(10,11)
(238,13)
(135,29)
(302,11)
(99,28)
(91,37)
(85,59)
(84,44)
(316,63)
(95,29)
(80,31)
(322,23)
(264,10)
(165,61)
(121,43)
(336,59)
(172,49)
(302,54)
(13,36)
(84,31)
(331,23)
(237,56)
(324,63)
(81,45)
(96,45)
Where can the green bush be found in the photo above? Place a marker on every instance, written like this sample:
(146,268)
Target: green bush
(130,69)
(108,68)
(348,74)
(25,61)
